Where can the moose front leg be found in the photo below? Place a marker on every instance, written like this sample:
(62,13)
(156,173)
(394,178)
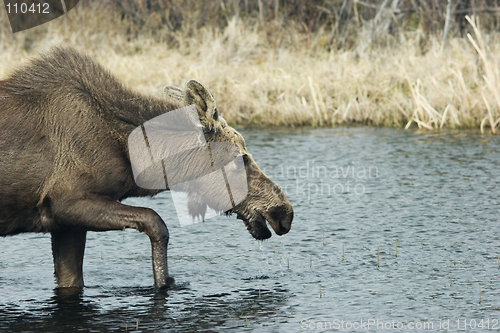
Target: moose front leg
(100,213)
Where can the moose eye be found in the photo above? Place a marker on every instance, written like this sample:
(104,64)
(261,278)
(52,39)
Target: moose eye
(245,159)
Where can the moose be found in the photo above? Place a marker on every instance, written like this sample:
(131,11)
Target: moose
(65,164)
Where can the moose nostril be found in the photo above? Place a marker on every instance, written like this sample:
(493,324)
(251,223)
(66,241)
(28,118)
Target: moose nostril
(282,216)
(277,213)
(283,229)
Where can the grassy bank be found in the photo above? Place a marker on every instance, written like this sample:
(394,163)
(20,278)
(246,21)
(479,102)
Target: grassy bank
(285,77)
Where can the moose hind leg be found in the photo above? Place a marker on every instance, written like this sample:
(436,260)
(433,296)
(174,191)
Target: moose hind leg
(68,247)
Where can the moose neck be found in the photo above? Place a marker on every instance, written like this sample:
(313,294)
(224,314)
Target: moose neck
(125,110)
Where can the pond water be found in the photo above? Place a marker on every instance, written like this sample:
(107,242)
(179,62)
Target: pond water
(393,230)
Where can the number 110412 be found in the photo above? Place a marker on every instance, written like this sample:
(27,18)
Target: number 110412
(23,8)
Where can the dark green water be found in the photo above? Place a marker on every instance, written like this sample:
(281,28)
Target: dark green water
(355,192)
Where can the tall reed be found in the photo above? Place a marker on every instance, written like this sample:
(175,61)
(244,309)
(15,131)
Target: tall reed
(285,77)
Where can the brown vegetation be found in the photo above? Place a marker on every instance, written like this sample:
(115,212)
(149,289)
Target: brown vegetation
(292,63)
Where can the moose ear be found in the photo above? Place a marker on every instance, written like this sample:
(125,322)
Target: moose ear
(202,98)
(172,92)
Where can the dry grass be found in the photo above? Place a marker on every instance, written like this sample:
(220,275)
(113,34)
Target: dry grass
(286,78)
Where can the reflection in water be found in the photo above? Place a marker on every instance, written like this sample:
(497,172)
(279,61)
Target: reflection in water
(63,312)
(68,308)
(144,308)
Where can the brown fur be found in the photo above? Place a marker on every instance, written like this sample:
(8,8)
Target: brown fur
(64,124)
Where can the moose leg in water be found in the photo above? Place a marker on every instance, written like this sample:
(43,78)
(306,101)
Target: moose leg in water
(100,213)
(68,247)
